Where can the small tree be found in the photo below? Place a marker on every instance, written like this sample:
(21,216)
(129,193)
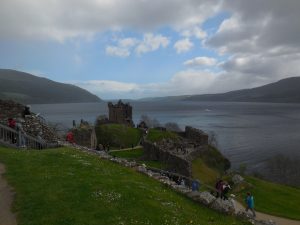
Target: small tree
(172,127)
(212,139)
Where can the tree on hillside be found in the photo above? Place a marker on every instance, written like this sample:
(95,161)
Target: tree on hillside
(171,126)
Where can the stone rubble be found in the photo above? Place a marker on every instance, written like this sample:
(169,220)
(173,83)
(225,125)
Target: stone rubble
(237,179)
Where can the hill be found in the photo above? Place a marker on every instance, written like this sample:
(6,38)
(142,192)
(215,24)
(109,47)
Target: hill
(66,186)
(29,89)
(283,91)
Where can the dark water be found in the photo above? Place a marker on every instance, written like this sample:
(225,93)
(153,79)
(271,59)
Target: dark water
(247,133)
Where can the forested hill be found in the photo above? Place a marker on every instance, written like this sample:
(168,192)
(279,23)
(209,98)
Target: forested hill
(26,88)
(283,91)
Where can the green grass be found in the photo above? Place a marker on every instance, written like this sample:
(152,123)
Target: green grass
(271,198)
(204,173)
(157,135)
(69,187)
(129,154)
(118,135)
(136,155)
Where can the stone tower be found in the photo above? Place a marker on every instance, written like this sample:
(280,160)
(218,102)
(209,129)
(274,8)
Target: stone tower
(120,113)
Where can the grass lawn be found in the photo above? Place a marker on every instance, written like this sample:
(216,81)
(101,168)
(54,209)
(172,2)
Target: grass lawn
(136,154)
(275,199)
(118,135)
(204,173)
(69,187)
(157,135)
(129,154)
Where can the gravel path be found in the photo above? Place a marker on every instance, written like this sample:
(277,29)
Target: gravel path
(6,199)
(263,216)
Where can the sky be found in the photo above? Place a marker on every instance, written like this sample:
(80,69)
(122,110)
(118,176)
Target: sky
(150,48)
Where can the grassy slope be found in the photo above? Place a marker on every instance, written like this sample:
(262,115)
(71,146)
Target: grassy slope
(118,135)
(157,135)
(136,154)
(204,173)
(275,199)
(66,186)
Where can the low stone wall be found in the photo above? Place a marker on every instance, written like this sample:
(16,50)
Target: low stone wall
(173,162)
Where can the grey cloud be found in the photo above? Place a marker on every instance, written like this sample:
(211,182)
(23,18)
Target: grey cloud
(73,18)
(263,39)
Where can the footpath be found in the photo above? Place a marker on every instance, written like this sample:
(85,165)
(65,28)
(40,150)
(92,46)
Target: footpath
(267,217)
(6,199)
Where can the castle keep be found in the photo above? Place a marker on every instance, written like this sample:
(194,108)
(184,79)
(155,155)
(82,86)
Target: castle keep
(120,113)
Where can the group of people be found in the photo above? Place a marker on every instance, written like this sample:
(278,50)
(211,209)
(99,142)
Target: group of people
(223,188)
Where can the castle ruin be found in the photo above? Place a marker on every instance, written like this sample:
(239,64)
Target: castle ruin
(120,113)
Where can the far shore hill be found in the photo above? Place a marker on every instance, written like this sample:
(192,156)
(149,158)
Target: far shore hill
(29,89)
(283,91)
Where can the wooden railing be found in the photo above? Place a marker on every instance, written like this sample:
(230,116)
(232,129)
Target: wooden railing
(12,138)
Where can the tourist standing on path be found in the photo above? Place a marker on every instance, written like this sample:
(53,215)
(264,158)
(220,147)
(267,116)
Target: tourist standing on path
(250,203)
(21,133)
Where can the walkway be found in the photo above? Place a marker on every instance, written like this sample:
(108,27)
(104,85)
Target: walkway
(263,216)
(6,199)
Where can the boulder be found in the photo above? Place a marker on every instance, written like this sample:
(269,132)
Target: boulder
(141,169)
(264,222)
(206,198)
(223,206)
(237,179)
(195,195)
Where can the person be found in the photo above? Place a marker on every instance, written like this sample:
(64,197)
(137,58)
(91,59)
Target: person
(195,185)
(225,189)
(26,111)
(21,138)
(219,187)
(12,124)
(250,203)
(70,137)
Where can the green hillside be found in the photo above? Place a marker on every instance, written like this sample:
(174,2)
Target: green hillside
(118,135)
(26,88)
(68,187)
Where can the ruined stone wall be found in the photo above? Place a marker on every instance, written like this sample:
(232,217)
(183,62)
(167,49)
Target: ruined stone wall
(82,136)
(196,135)
(173,162)
(10,109)
(32,125)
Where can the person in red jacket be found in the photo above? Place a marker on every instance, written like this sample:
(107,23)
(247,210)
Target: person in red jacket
(70,137)
(11,123)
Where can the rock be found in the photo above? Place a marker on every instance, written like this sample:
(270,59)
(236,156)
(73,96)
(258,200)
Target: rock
(206,198)
(195,195)
(223,206)
(141,169)
(237,179)
(264,222)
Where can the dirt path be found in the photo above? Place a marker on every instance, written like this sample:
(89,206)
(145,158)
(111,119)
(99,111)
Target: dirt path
(263,216)
(126,149)
(6,198)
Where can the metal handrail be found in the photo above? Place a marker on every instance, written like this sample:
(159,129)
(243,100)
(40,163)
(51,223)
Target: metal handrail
(11,136)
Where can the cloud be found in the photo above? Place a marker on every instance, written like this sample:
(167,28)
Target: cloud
(117,51)
(61,20)
(262,38)
(151,43)
(201,61)
(183,45)
(194,32)
(183,82)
